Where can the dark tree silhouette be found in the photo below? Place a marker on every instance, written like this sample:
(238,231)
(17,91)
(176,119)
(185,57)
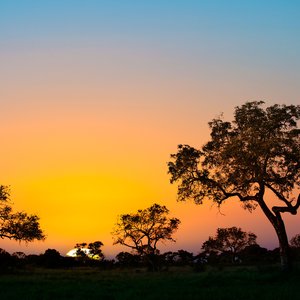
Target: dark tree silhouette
(126,259)
(183,257)
(229,240)
(295,241)
(17,226)
(81,250)
(141,231)
(51,259)
(95,250)
(91,250)
(258,153)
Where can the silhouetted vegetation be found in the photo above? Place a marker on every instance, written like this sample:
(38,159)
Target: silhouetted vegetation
(229,241)
(295,241)
(257,153)
(86,251)
(141,231)
(17,226)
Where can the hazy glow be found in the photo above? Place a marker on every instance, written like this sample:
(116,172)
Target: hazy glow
(95,96)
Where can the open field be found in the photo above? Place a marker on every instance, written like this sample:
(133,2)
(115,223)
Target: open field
(181,283)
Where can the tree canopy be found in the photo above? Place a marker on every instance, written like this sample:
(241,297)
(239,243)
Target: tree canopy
(91,250)
(141,231)
(17,226)
(255,155)
(295,241)
(231,240)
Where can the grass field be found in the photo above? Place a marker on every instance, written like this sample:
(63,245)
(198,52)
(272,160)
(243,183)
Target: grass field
(182,283)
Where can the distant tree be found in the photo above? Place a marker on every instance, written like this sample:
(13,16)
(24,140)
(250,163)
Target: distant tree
(91,250)
(229,240)
(19,255)
(95,250)
(253,157)
(19,259)
(51,259)
(254,254)
(81,250)
(143,230)
(183,257)
(5,260)
(17,226)
(126,259)
(295,241)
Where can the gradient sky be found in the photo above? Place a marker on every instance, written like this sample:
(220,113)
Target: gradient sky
(95,96)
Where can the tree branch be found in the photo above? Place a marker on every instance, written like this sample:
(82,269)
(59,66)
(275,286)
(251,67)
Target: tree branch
(291,208)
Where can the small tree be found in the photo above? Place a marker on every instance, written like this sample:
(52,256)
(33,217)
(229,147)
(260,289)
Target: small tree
(229,240)
(81,250)
(95,250)
(92,250)
(255,155)
(295,241)
(143,230)
(17,226)
(126,259)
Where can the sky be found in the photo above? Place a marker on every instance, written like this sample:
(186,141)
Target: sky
(96,95)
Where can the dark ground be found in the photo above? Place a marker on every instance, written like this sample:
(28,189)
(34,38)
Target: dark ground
(241,283)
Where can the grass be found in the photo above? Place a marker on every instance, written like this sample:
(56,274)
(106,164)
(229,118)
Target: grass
(181,283)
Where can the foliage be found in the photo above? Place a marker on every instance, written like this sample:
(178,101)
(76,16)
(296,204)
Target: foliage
(95,250)
(231,240)
(256,153)
(295,241)
(183,257)
(126,259)
(143,230)
(17,226)
(91,250)
(51,259)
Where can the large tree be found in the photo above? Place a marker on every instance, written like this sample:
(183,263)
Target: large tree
(143,230)
(17,226)
(253,158)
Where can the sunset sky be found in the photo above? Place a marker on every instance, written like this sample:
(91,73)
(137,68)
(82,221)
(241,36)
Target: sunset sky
(96,95)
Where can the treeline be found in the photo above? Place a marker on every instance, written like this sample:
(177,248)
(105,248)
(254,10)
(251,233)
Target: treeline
(237,254)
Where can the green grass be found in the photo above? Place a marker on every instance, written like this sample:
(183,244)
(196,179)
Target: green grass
(181,283)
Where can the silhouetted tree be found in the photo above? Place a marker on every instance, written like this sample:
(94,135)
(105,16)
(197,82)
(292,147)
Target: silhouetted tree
(256,153)
(126,259)
(254,254)
(19,259)
(295,246)
(229,240)
(295,241)
(81,250)
(183,257)
(95,250)
(141,231)
(51,259)
(17,226)
(5,260)
(19,255)
(91,250)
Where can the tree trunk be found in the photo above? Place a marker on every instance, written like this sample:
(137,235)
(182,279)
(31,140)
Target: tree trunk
(278,225)
(284,247)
